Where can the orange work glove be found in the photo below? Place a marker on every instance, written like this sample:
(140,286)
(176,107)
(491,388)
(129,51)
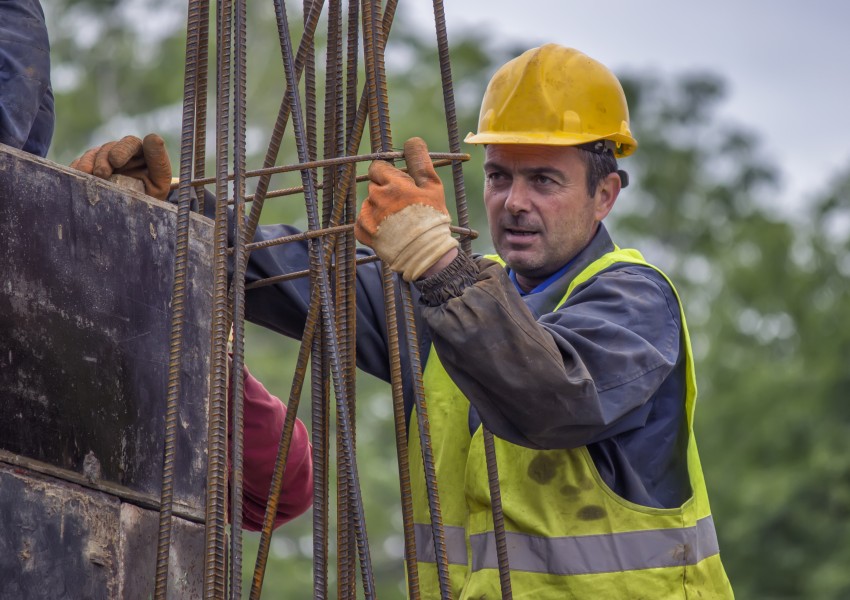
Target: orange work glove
(144,160)
(404,218)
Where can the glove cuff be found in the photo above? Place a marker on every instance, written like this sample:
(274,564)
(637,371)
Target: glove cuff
(413,239)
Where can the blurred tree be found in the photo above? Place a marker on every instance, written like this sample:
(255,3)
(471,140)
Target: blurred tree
(115,69)
(765,290)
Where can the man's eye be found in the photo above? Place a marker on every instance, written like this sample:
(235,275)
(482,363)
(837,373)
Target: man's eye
(495,177)
(542,179)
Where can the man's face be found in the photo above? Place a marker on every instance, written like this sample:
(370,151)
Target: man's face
(538,207)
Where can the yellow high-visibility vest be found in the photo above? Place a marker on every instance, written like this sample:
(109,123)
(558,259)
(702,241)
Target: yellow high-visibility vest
(568,534)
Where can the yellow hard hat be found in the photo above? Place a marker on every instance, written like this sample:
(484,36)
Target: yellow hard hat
(554,96)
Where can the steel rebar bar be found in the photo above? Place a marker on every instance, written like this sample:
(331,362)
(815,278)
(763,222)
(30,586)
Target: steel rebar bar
(216,498)
(178,299)
(238,293)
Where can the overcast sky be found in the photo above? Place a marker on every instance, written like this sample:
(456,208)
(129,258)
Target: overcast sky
(785,61)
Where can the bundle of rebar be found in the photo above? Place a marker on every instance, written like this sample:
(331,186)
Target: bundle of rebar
(356,31)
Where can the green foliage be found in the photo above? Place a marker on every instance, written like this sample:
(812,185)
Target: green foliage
(767,294)
(766,290)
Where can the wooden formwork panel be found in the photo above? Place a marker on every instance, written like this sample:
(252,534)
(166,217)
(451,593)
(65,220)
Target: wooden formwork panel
(85,290)
(86,272)
(62,541)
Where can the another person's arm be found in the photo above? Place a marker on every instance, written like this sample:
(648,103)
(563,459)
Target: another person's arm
(26,99)
(264,415)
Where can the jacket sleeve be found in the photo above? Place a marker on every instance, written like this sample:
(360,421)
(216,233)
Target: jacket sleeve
(26,99)
(263,427)
(283,306)
(576,376)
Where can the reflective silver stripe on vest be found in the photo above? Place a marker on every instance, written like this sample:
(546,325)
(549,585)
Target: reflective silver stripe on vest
(455,544)
(605,553)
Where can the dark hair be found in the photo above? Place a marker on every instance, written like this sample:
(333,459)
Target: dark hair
(599,166)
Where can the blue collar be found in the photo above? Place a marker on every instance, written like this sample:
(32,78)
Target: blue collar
(549,280)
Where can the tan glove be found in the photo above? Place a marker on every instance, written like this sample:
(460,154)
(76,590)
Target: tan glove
(404,218)
(144,160)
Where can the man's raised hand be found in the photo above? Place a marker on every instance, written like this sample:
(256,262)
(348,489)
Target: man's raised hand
(404,218)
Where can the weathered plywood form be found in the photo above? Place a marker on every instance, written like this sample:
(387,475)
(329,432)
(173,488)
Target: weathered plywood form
(62,541)
(86,272)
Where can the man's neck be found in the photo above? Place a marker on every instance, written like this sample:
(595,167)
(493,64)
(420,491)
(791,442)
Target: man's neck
(531,286)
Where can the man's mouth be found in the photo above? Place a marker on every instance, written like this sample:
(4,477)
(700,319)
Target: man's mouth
(520,232)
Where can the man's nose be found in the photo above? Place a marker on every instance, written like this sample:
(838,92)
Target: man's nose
(518,200)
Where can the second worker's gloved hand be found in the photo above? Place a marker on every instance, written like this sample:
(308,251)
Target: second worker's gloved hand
(146,160)
(404,218)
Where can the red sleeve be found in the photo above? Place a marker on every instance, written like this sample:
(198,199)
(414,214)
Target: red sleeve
(263,426)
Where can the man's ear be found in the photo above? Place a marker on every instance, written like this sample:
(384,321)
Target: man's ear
(606,195)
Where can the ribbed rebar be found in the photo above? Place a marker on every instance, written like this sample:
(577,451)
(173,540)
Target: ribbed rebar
(238,285)
(310,23)
(320,469)
(374,42)
(379,128)
(299,237)
(327,231)
(298,189)
(349,160)
(334,146)
(352,48)
(424,428)
(451,118)
(200,143)
(318,376)
(463,221)
(178,296)
(400,421)
(318,264)
(498,517)
(300,375)
(355,133)
(216,497)
(298,274)
(311,130)
(333,141)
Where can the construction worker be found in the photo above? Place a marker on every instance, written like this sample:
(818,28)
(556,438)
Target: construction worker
(26,98)
(573,352)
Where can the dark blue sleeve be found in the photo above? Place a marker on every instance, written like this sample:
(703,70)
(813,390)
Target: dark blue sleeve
(604,371)
(624,328)
(585,372)
(283,306)
(26,98)
(642,456)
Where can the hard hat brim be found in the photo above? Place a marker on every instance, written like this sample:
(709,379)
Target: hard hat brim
(624,145)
